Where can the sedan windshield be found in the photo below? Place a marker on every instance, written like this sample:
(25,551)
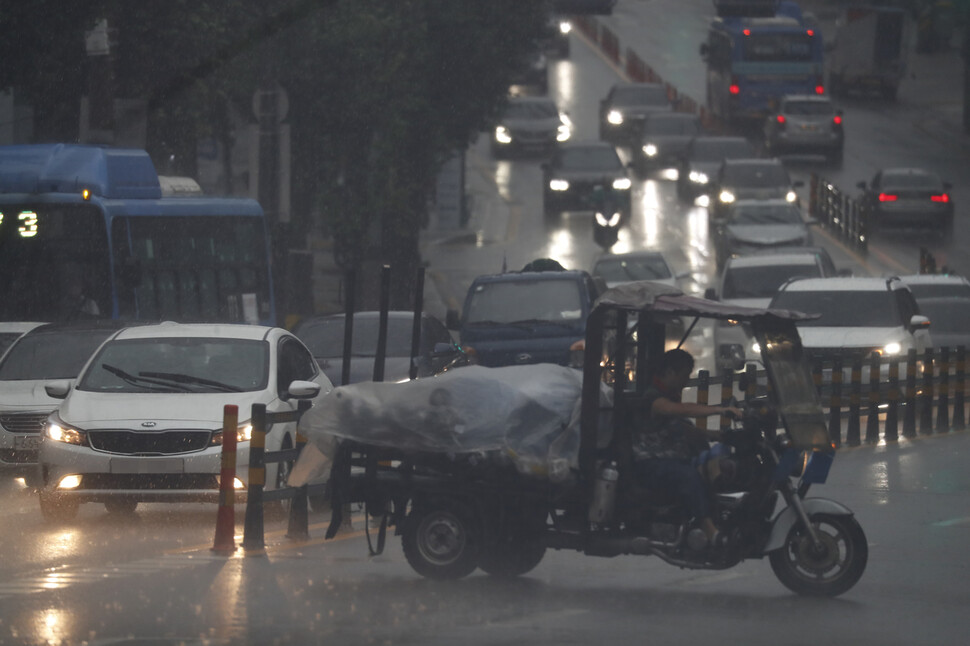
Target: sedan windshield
(763,281)
(841,308)
(327,338)
(531,110)
(198,365)
(51,356)
(641,95)
(808,108)
(755,175)
(590,158)
(617,270)
(765,214)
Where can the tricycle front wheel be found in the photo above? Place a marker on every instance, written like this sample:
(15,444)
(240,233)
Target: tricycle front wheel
(441,541)
(829,568)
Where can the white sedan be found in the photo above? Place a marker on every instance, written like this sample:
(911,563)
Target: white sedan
(144,421)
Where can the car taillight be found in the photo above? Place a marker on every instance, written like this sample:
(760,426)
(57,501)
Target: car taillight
(837,120)
(780,119)
(886,197)
(940,198)
(734,88)
(819,89)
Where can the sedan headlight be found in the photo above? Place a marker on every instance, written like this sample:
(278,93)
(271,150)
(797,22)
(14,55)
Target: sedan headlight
(726,197)
(615,117)
(622,184)
(502,135)
(565,27)
(558,185)
(563,132)
(891,348)
(791,196)
(650,150)
(244,433)
(61,432)
(698,177)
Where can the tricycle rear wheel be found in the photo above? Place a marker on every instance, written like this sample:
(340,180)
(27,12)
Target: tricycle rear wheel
(440,540)
(509,560)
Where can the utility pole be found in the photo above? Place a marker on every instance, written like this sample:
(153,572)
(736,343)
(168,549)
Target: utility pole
(100,125)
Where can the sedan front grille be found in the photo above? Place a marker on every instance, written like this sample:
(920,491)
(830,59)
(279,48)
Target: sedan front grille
(149,443)
(24,422)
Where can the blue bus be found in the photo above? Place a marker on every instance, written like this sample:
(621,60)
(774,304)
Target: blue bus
(87,232)
(752,61)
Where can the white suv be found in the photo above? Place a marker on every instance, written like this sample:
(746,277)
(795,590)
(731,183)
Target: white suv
(858,316)
(144,421)
(751,281)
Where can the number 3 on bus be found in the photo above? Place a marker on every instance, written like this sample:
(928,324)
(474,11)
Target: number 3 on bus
(754,60)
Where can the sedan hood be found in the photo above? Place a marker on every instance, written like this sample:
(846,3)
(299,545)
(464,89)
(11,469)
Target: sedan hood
(774,234)
(92,410)
(762,193)
(26,395)
(853,337)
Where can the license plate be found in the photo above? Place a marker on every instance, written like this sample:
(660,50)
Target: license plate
(26,442)
(809,127)
(147,465)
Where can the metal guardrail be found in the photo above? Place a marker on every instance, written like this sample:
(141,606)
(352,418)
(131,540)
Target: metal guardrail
(916,394)
(839,213)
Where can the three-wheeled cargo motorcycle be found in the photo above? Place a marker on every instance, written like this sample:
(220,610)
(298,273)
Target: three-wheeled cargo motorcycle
(458,506)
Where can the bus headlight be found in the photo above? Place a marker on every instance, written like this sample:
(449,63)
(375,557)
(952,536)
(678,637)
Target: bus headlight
(615,117)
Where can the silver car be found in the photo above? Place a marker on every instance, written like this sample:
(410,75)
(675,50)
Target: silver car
(805,124)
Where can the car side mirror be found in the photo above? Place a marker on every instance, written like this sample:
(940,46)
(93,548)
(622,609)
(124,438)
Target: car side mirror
(919,322)
(300,389)
(58,389)
(710,294)
(452,319)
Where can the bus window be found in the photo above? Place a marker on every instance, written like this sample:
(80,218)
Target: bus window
(48,252)
(196,268)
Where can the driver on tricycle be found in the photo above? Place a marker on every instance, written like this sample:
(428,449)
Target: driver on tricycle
(666,449)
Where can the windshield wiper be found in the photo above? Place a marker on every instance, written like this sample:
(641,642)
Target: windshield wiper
(181,378)
(532,322)
(142,382)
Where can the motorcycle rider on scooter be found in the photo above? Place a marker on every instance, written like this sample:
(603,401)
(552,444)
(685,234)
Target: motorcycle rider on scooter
(666,447)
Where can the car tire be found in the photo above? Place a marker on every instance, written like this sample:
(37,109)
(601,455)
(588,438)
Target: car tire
(121,506)
(58,508)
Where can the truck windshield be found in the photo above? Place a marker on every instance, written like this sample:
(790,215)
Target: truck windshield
(528,300)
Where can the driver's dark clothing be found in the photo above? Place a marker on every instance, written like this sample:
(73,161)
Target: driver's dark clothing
(662,456)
